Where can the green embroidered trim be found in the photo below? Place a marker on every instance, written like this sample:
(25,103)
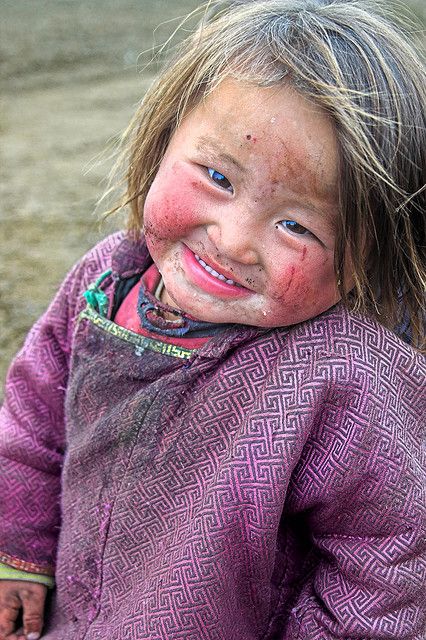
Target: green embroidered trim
(95,297)
(141,342)
(9,573)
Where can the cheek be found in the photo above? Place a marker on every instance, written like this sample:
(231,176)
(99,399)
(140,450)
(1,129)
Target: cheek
(170,209)
(307,282)
(293,283)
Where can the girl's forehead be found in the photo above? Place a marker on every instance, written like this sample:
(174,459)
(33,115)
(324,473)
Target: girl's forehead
(239,104)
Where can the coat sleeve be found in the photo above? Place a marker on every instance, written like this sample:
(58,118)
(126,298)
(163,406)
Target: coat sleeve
(360,490)
(32,439)
(32,426)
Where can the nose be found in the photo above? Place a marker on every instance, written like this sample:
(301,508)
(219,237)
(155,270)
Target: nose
(235,237)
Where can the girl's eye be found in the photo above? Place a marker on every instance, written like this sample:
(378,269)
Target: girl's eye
(294,227)
(220,179)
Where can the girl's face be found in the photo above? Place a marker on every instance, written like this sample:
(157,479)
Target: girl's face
(240,219)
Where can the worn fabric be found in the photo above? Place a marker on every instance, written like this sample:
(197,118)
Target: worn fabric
(268,485)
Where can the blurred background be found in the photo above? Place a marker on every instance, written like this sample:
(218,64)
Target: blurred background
(71,77)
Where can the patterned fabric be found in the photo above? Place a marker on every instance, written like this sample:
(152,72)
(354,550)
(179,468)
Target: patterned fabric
(268,486)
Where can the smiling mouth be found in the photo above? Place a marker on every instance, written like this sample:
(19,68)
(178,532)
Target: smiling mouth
(207,279)
(214,273)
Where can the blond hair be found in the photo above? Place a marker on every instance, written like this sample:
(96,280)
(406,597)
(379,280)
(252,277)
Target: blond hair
(350,59)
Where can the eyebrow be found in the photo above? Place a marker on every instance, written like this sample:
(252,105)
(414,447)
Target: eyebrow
(208,145)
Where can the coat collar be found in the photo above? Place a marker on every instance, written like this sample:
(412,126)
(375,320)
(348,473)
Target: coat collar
(130,257)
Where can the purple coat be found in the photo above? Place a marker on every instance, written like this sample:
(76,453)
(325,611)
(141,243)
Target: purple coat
(269,485)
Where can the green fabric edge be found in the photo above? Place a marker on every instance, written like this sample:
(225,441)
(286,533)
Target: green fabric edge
(10,573)
(141,342)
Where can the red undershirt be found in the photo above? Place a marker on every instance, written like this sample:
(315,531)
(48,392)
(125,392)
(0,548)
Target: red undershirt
(127,314)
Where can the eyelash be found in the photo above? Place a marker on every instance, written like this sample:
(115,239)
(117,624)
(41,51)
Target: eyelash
(222,179)
(301,230)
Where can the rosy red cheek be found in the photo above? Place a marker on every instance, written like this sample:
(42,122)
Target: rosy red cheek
(295,287)
(290,279)
(286,282)
(171,209)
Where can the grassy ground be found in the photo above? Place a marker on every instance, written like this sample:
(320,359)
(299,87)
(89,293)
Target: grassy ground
(70,81)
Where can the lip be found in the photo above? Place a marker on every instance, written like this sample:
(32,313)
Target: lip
(208,283)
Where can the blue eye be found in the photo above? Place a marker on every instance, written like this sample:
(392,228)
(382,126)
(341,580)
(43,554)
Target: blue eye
(295,227)
(220,179)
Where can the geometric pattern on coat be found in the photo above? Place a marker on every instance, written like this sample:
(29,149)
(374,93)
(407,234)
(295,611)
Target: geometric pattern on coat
(270,487)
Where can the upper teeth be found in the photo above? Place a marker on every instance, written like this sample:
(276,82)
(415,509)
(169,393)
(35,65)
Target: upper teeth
(214,273)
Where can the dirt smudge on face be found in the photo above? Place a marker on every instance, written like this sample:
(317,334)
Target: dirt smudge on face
(290,280)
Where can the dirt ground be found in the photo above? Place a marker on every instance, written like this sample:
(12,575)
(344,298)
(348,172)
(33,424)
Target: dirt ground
(70,76)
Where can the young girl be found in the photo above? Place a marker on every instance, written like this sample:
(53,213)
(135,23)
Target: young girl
(216,429)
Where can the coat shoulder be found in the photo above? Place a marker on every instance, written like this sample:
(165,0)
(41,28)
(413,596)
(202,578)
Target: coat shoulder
(360,341)
(343,350)
(98,259)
